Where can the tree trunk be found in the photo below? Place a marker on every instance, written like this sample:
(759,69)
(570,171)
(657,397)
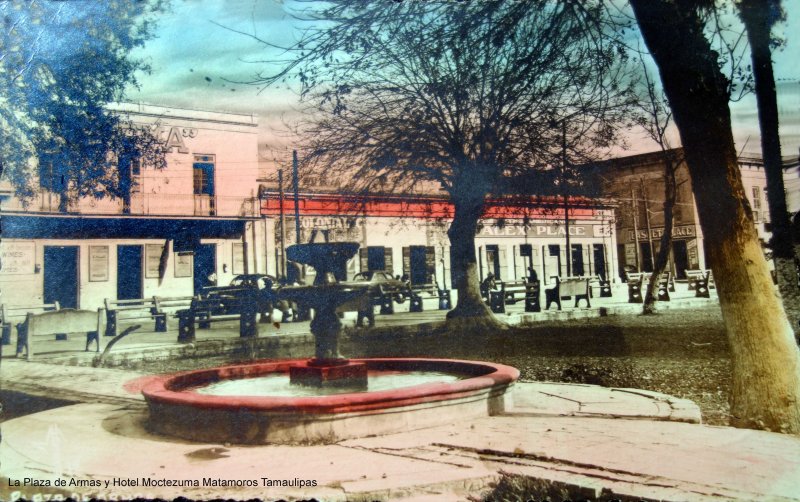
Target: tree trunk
(670,194)
(766,363)
(464,264)
(757,18)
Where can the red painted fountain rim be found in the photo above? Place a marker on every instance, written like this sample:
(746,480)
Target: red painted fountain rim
(176,388)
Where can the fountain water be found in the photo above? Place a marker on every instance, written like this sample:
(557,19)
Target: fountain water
(329,397)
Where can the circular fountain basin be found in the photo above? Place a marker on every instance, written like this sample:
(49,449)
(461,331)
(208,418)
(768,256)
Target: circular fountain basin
(403,394)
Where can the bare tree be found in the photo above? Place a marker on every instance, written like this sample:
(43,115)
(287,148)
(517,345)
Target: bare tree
(461,97)
(656,119)
(759,17)
(766,363)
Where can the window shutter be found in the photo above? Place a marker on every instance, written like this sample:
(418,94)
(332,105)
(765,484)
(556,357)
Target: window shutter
(430,264)
(387,253)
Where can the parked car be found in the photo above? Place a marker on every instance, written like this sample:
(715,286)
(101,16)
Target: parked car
(382,284)
(264,287)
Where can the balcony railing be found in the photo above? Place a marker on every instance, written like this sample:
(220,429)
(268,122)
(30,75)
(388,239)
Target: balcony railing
(143,205)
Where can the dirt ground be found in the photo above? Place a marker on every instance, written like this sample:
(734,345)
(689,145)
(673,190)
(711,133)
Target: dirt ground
(683,353)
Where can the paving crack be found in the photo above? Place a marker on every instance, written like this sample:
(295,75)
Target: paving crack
(396,453)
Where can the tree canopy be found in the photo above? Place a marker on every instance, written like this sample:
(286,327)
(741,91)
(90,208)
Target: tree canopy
(454,95)
(471,98)
(61,63)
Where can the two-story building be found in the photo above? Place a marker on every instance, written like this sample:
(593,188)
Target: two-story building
(193,223)
(637,183)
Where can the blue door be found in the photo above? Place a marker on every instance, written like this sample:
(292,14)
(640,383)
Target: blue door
(129,272)
(61,275)
(205,267)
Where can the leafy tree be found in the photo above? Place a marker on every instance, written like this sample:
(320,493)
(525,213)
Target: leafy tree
(469,98)
(61,63)
(759,17)
(766,363)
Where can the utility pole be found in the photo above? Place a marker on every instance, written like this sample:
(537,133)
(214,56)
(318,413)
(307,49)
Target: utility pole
(635,208)
(647,222)
(283,225)
(296,198)
(566,196)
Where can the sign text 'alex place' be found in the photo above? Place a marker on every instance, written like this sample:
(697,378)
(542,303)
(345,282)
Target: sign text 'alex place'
(544,230)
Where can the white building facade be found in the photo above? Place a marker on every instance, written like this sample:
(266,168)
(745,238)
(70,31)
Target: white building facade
(407,236)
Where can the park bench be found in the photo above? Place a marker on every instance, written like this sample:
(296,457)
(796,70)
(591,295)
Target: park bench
(568,287)
(168,306)
(9,313)
(204,311)
(58,322)
(637,281)
(701,282)
(130,310)
(430,290)
(513,291)
(603,286)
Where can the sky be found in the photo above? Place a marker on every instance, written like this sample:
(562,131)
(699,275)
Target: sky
(199,61)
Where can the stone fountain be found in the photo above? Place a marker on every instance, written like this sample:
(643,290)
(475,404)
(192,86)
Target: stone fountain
(327,398)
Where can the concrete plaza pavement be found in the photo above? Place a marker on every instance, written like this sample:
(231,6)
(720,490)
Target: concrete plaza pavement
(587,441)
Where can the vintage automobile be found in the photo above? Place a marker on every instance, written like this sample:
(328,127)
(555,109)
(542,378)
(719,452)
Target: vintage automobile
(262,287)
(383,284)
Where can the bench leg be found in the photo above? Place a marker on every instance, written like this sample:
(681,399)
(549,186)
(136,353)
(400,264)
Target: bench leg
(186,329)
(248,326)
(497,302)
(416,304)
(387,304)
(203,322)
(22,341)
(444,299)
(111,323)
(368,314)
(161,323)
(578,298)
(92,336)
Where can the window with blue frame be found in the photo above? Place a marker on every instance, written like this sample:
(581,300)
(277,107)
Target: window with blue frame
(203,174)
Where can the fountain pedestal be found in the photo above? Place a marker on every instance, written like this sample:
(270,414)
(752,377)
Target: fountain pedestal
(327,373)
(327,367)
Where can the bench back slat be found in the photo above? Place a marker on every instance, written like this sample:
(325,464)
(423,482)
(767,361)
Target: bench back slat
(21,311)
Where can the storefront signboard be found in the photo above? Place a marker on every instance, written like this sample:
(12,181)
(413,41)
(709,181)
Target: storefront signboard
(17,257)
(98,263)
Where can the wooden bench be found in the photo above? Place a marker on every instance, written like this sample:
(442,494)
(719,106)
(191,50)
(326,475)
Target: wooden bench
(568,287)
(133,309)
(431,290)
(603,286)
(701,282)
(635,280)
(61,321)
(666,283)
(204,311)
(9,313)
(513,291)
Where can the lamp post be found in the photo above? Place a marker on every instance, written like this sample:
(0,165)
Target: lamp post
(283,225)
(296,197)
